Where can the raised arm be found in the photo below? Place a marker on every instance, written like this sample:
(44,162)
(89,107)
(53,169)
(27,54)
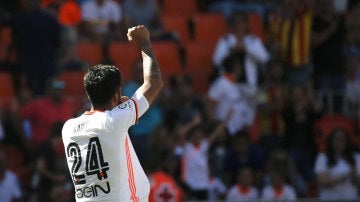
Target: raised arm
(153,83)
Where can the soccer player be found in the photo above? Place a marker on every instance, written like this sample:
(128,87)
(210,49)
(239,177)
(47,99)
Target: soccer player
(100,156)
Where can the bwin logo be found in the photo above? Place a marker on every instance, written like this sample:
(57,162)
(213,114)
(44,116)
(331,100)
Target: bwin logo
(92,191)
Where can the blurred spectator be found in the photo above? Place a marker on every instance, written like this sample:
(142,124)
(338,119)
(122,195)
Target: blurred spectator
(100,17)
(232,104)
(299,117)
(269,110)
(353,87)
(69,13)
(10,190)
(45,111)
(278,190)
(36,36)
(352,45)
(51,166)
(145,12)
(289,32)
(328,36)
(183,103)
(241,153)
(140,133)
(195,166)
(240,42)
(141,12)
(216,189)
(338,168)
(163,186)
(243,190)
(280,161)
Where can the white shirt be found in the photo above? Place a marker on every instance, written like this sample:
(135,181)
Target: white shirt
(235,194)
(287,194)
(9,187)
(109,11)
(100,156)
(232,105)
(195,166)
(344,190)
(255,54)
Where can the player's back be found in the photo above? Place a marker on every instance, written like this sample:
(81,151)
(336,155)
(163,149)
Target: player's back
(101,158)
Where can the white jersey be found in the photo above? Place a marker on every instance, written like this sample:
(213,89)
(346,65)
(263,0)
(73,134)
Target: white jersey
(287,193)
(195,168)
(100,156)
(237,193)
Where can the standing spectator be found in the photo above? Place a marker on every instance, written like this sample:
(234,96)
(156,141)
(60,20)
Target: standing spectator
(232,105)
(278,190)
(328,37)
(338,168)
(100,17)
(45,111)
(239,41)
(299,137)
(140,133)
(9,184)
(51,164)
(290,31)
(243,190)
(195,166)
(37,38)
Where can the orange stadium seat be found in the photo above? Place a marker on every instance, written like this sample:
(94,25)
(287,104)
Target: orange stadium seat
(184,8)
(199,64)
(256,25)
(89,52)
(74,89)
(124,55)
(209,28)
(168,58)
(7,91)
(74,82)
(325,125)
(177,24)
(5,36)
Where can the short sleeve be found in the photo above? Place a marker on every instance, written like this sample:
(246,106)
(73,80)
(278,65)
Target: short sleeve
(141,103)
(129,112)
(320,163)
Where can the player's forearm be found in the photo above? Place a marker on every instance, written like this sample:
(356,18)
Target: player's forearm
(151,67)
(151,71)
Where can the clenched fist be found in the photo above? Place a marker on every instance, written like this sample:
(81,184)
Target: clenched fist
(138,35)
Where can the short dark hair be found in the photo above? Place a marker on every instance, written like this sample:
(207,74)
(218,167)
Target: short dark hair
(101,82)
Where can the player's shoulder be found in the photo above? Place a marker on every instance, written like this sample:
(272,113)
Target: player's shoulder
(127,105)
(68,124)
(122,109)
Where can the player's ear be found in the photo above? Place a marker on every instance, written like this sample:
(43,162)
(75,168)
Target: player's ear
(116,99)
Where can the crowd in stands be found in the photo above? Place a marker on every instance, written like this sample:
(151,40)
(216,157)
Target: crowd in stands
(261,98)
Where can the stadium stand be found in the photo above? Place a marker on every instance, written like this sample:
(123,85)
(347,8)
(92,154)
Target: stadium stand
(124,55)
